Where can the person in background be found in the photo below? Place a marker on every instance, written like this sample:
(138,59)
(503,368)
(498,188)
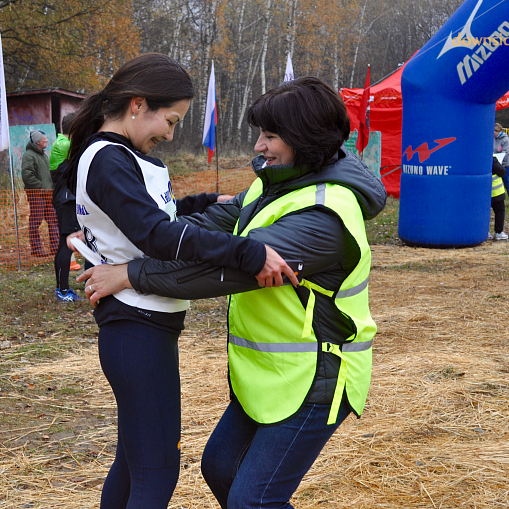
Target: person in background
(57,155)
(501,144)
(299,358)
(64,203)
(126,208)
(39,191)
(497,200)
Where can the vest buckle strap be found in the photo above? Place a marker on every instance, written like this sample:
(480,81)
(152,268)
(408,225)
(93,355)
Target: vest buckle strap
(361,346)
(340,384)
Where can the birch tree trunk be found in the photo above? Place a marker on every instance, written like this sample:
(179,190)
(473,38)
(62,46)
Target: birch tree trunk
(247,88)
(265,40)
(335,79)
(290,27)
(232,93)
(179,18)
(207,38)
(363,30)
(359,39)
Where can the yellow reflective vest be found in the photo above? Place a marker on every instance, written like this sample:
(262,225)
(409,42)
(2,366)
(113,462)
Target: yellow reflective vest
(272,347)
(497,186)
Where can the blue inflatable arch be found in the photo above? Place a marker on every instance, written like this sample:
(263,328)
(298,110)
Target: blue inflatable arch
(450,88)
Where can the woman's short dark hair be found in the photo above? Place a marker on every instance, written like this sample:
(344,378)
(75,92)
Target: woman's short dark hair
(308,115)
(158,78)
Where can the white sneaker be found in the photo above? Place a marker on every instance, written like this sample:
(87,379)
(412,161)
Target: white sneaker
(489,237)
(501,236)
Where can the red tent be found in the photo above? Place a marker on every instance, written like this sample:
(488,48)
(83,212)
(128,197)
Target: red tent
(386,115)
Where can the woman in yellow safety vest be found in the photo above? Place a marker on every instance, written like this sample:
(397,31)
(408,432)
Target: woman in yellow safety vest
(299,358)
(497,200)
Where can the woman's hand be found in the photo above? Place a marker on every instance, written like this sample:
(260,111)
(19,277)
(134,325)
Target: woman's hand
(224,197)
(80,236)
(103,280)
(275,266)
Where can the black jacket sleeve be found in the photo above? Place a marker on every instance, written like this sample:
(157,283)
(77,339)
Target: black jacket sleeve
(195,203)
(220,217)
(313,236)
(498,169)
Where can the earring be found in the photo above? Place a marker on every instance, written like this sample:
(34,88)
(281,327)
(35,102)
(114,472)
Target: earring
(134,116)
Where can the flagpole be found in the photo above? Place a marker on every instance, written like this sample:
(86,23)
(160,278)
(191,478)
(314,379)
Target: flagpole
(5,143)
(217,158)
(362,152)
(15,208)
(363,116)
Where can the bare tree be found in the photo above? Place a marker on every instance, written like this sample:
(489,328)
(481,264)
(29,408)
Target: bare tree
(265,42)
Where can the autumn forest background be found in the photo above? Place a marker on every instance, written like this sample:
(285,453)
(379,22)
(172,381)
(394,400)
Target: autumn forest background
(78,44)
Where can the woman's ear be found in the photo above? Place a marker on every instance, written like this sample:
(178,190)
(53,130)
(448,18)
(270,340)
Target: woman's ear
(136,103)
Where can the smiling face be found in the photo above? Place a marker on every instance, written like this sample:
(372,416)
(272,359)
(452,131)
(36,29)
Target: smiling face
(274,149)
(148,128)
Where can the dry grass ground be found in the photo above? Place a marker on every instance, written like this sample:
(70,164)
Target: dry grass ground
(435,432)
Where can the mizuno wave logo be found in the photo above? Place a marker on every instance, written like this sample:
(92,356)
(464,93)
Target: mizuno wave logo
(465,32)
(424,151)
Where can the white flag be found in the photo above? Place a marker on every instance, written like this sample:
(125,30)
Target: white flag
(4,118)
(289,70)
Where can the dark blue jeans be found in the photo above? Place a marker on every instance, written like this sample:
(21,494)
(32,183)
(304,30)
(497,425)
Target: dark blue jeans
(252,467)
(141,365)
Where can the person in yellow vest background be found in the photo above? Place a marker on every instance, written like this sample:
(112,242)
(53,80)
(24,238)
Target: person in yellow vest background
(497,200)
(501,145)
(299,358)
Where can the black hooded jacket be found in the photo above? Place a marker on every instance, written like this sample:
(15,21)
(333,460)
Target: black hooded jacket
(316,236)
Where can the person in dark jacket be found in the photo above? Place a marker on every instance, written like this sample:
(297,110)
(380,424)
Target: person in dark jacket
(126,209)
(498,200)
(38,187)
(64,203)
(501,145)
(299,359)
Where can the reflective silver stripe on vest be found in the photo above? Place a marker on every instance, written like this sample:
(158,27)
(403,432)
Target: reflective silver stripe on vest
(498,187)
(342,294)
(320,194)
(357,347)
(274,347)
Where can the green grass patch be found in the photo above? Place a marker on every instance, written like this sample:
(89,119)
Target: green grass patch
(383,229)
(185,163)
(33,324)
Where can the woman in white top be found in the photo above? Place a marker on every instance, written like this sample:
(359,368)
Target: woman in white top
(127,210)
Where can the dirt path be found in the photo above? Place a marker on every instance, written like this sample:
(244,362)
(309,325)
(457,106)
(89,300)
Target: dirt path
(435,432)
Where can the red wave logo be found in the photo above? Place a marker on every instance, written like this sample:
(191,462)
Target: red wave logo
(424,151)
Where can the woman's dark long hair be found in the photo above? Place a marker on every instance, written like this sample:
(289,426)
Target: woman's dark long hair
(308,115)
(159,79)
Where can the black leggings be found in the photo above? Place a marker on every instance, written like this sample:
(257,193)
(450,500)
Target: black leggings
(498,207)
(67,224)
(141,365)
(62,262)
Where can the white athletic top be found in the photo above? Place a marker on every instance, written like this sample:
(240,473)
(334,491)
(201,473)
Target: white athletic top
(103,236)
